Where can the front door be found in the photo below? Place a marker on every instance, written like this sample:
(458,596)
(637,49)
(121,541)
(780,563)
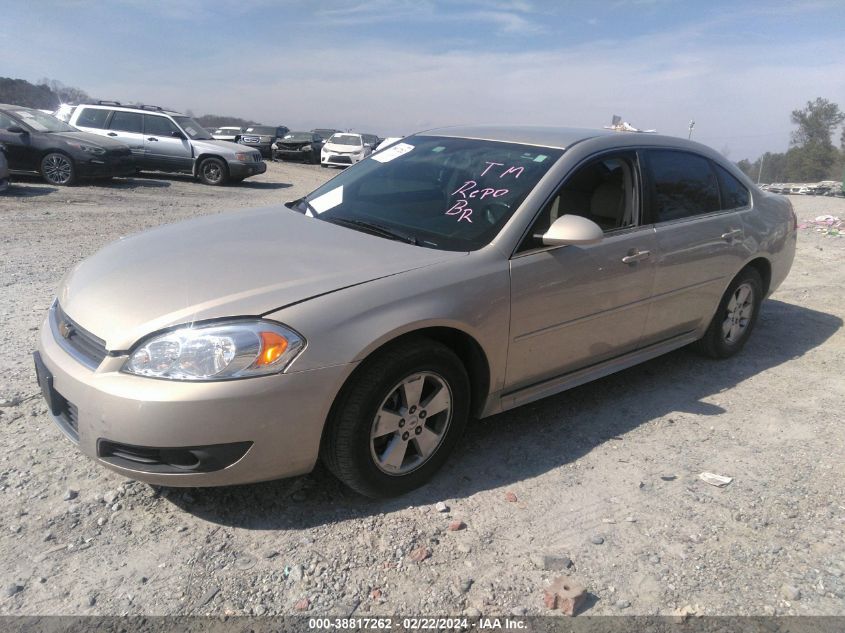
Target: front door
(574,306)
(165,146)
(20,152)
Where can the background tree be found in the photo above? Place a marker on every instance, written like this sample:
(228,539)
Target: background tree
(812,156)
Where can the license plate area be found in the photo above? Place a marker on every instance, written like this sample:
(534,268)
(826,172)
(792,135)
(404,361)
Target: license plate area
(45,381)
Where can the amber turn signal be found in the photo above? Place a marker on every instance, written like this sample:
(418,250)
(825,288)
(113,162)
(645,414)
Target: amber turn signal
(272,347)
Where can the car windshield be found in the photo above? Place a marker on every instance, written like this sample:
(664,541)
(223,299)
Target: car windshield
(262,130)
(192,128)
(447,193)
(42,122)
(346,139)
(297,137)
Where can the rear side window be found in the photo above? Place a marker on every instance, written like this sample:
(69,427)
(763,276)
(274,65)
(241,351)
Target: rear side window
(682,185)
(92,117)
(734,193)
(127,122)
(158,125)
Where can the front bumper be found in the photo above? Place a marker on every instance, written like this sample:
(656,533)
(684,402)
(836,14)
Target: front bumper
(340,160)
(294,154)
(274,421)
(238,169)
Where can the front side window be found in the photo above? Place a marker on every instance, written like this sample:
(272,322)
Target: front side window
(734,193)
(682,185)
(6,122)
(447,193)
(158,126)
(603,190)
(127,122)
(92,117)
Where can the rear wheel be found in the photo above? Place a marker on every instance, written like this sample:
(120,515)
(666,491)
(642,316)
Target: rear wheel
(398,419)
(58,169)
(735,317)
(213,171)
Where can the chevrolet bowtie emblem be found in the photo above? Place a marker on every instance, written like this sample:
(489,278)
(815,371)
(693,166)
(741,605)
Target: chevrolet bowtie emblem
(65,329)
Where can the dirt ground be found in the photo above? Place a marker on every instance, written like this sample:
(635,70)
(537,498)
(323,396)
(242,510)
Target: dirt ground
(605,476)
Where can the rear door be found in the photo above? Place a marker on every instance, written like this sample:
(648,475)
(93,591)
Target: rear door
(700,240)
(165,146)
(128,127)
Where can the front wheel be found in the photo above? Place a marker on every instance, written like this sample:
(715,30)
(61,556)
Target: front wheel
(58,169)
(213,171)
(398,419)
(735,317)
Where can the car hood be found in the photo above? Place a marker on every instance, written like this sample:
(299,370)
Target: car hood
(215,146)
(348,149)
(89,139)
(246,263)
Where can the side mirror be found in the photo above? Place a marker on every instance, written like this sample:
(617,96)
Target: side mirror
(572,229)
(177,134)
(16,129)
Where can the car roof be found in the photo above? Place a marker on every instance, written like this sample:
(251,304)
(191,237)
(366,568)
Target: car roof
(564,137)
(128,108)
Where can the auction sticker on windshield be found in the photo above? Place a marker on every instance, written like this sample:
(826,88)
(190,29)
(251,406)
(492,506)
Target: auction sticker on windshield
(394,151)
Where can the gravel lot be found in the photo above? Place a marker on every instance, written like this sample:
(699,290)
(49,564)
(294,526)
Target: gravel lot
(604,477)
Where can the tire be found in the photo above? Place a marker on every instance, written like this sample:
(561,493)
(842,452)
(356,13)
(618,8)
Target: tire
(58,169)
(382,393)
(213,171)
(735,317)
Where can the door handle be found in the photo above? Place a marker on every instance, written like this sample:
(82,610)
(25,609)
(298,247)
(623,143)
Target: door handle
(152,138)
(112,134)
(636,256)
(731,234)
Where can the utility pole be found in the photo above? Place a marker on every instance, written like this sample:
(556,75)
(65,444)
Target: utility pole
(691,125)
(760,173)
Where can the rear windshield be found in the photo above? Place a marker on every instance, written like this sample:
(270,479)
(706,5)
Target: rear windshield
(446,193)
(41,121)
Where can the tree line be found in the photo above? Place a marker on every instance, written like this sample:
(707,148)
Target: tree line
(48,94)
(812,155)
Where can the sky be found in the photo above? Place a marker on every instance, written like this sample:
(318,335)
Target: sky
(392,67)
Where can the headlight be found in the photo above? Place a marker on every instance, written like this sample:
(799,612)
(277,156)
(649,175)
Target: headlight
(306,148)
(244,157)
(90,149)
(218,351)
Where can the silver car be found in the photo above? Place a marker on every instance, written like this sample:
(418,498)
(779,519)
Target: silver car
(163,140)
(458,273)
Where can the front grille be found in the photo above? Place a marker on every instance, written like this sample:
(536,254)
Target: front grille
(256,158)
(77,341)
(340,159)
(250,139)
(67,417)
(290,146)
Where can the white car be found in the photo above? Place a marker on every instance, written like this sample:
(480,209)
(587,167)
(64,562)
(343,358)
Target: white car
(227,133)
(344,149)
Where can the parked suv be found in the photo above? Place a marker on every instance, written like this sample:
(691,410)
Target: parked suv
(162,140)
(38,143)
(262,137)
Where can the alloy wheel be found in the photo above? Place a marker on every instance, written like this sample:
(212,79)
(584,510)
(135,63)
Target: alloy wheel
(739,311)
(57,169)
(411,423)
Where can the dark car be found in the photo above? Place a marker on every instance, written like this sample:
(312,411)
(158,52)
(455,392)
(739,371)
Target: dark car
(304,146)
(40,143)
(372,140)
(325,132)
(262,137)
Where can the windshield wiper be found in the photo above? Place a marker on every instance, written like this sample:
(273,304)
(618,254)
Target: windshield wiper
(376,229)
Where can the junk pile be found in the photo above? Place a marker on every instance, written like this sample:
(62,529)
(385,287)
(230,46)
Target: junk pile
(827,225)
